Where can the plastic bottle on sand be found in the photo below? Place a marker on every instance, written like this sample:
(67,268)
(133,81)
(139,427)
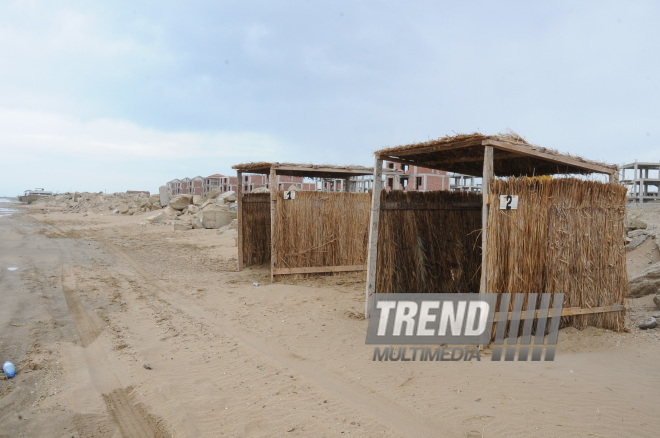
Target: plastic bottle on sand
(9,369)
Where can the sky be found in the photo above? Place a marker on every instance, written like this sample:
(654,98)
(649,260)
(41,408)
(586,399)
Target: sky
(127,95)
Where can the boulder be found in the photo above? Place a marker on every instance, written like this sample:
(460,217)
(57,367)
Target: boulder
(154,200)
(207,203)
(637,233)
(197,200)
(233,225)
(192,209)
(635,242)
(172,212)
(216,216)
(196,222)
(646,282)
(635,224)
(179,202)
(261,190)
(164,196)
(656,301)
(228,197)
(182,226)
(165,214)
(212,194)
(649,323)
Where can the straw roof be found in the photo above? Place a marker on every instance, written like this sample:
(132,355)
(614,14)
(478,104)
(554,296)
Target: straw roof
(305,170)
(512,156)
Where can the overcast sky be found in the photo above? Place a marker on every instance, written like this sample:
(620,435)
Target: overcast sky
(126,95)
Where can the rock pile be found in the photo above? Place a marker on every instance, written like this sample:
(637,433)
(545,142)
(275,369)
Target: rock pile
(213,211)
(118,203)
(642,223)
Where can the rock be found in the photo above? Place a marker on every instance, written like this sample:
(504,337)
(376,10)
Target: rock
(196,222)
(182,227)
(216,216)
(635,224)
(635,242)
(261,190)
(233,225)
(154,200)
(636,233)
(164,196)
(212,194)
(172,212)
(192,209)
(165,214)
(115,211)
(207,203)
(648,323)
(233,206)
(656,301)
(646,282)
(197,200)
(179,202)
(228,197)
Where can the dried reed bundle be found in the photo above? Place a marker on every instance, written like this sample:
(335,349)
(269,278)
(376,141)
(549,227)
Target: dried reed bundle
(256,228)
(565,237)
(429,242)
(322,229)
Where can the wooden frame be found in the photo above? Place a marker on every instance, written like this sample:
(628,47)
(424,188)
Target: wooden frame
(372,249)
(290,169)
(413,155)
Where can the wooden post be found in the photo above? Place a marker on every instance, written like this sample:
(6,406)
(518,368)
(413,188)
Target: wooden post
(346,184)
(239,217)
(273,210)
(614,177)
(372,254)
(485,193)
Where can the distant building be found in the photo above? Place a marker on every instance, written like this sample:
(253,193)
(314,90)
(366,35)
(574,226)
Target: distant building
(251,182)
(464,183)
(203,186)
(414,178)
(642,181)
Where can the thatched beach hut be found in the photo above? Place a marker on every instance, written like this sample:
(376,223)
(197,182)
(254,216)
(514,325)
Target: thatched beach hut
(564,236)
(307,231)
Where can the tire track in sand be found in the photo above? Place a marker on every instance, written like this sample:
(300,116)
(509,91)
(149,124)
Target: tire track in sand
(386,412)
(131,418)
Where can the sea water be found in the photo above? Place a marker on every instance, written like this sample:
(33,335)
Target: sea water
(5,211)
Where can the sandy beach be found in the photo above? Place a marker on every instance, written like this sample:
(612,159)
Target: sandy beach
(119,328)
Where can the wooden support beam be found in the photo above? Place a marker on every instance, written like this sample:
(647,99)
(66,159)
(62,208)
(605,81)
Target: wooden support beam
(614,177)
(569,311)
(372,250)
(427,165)
(239,217)
(339,172)
(319,269)
(400,205)
(559,159)
(434,148)
(272,184)
(474,158)
(485,191)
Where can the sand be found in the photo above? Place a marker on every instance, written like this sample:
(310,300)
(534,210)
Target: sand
(122,328)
